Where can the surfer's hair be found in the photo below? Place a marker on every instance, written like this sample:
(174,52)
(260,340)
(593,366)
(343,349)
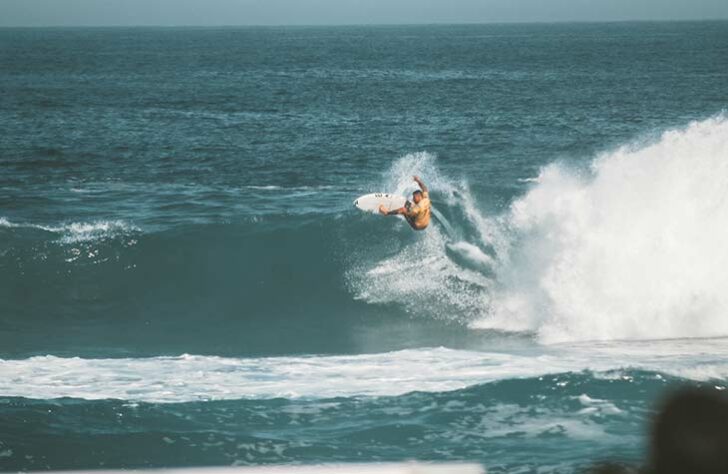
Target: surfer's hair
(417,192)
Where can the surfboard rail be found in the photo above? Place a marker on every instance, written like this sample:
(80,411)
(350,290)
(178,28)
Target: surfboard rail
(371,202)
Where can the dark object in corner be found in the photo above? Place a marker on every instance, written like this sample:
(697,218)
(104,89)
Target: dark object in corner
(690,434)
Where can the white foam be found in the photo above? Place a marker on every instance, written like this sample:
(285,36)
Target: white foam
(635,249)
(6,223)
(597,406)
(269,187)
(79,231)
(472,253)
(191,377)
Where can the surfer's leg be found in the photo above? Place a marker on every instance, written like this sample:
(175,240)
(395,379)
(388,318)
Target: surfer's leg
(411,222)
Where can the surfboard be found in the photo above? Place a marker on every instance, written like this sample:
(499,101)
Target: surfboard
(371,202)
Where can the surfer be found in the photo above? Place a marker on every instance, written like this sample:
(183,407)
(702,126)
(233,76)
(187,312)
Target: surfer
(417,212)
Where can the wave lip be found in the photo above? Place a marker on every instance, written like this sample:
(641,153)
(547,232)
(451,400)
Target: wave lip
(633,250)
(75,232)
(82,231)
(194,377)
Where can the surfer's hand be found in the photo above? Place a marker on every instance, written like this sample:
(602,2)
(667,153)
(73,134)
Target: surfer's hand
(382,209)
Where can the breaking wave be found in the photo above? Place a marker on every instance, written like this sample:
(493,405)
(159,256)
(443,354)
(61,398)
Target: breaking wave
(631,248)
(195,377)
(79,231)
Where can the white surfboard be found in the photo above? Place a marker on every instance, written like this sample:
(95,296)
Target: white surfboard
(371,202)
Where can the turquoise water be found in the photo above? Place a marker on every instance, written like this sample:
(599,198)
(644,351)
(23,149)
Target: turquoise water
(184,280)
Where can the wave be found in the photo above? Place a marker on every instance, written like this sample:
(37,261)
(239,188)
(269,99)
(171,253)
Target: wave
(195,377)
(631,248)
(79,231)
(596,416)
(261,287)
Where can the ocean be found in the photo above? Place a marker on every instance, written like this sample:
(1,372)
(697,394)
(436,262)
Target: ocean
(184,280)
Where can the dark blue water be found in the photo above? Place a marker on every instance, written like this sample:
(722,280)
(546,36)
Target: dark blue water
(176,230)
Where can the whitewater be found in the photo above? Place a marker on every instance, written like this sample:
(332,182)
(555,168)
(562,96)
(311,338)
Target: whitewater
(188,378)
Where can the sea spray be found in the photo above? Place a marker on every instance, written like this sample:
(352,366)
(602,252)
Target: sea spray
(635,249)
(421,274)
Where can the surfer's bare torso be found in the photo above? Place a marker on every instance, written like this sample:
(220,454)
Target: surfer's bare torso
(417,213)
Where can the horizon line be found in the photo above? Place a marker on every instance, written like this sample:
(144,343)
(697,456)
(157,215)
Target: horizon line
(374,24)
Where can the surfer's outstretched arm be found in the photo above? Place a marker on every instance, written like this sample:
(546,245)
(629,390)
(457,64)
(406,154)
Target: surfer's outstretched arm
(402,211)
(420,184)
(393,212)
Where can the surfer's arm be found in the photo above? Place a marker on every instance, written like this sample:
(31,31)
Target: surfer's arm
(420,184)
(393,212)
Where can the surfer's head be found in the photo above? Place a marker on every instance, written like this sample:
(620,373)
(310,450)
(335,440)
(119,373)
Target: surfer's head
(417,196)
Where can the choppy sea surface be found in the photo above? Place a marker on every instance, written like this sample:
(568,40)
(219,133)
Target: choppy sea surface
(184,280)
